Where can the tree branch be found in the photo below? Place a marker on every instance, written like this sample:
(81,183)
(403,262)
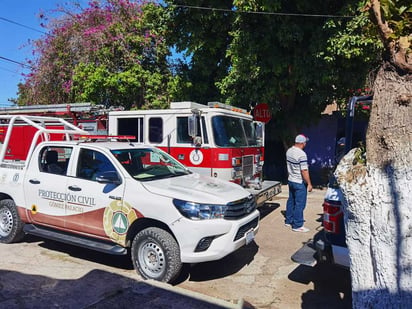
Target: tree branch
(396,50)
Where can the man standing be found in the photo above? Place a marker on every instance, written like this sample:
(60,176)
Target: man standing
(298,179)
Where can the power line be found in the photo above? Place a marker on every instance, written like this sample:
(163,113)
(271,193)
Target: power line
(263,13)
(21,25)
(16,62)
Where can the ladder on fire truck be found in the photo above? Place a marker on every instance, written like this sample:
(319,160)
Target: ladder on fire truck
(54,109)
(88,116)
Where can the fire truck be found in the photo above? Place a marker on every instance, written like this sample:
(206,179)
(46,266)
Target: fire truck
(216,139)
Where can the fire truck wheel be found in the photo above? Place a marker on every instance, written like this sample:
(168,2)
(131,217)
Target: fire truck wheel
(156,255)
(11,227)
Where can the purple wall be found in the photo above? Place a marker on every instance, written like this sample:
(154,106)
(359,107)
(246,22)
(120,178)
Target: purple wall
(321,149)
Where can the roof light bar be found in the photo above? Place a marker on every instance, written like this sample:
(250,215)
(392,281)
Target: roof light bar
(228,107)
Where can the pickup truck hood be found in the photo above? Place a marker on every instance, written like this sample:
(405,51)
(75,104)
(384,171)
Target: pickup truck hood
(197,188)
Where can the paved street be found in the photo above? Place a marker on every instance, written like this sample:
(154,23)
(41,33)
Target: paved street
(36,272)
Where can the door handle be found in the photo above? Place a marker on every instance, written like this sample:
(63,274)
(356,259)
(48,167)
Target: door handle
(117,198)
(75,188)
(34,181)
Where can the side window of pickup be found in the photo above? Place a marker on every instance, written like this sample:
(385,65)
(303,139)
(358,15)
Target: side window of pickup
(54,160)
(91,163)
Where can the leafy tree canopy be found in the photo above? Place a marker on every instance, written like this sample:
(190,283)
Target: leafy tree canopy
(113,52)
(291,59)
(203,38)
(297,56)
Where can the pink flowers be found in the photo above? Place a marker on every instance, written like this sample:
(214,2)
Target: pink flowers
(67,85)
(360,91)
(87,52)
(93,30)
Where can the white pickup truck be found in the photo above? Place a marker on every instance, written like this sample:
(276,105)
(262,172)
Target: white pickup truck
(113,196)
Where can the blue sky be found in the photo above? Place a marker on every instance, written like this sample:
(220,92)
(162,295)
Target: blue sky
(14,38)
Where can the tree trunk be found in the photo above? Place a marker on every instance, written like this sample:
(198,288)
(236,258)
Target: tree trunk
(378,206)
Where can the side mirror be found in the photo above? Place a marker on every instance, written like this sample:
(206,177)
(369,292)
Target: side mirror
(260,131)
(108,177)
(192,125)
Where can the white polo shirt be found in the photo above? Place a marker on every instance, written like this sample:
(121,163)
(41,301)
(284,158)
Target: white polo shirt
(296,161)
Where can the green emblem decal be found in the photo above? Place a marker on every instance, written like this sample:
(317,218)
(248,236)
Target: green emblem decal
(120,222)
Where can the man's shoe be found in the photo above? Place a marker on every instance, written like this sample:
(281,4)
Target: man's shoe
(301,229)
(288,225)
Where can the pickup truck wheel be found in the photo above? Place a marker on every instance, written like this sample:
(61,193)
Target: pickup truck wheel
(11,227)
(156,255)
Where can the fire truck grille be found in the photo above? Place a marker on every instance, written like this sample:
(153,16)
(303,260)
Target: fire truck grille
(241,208)
(247,166)
(244,228)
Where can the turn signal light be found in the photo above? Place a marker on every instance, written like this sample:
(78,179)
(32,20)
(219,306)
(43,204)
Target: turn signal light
(236,162)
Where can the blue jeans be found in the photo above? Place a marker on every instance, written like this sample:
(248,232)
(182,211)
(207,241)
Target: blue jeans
(296,204)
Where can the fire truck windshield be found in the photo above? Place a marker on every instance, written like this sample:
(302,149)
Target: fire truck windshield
(233,132)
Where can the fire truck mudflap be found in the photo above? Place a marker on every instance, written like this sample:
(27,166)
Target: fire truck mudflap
(267,192)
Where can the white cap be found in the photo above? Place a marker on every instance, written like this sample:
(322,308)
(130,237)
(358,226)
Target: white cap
(301,139)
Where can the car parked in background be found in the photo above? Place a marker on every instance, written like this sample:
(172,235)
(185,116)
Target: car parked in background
(329,245)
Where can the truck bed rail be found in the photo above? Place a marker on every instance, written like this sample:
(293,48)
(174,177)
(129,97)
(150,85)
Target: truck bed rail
(42,125)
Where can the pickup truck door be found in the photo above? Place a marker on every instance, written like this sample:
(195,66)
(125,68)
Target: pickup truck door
(45,186)
(91,204)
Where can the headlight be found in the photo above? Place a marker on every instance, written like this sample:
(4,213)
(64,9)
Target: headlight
(196,211)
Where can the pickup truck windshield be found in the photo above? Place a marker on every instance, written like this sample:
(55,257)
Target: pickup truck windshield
(149,163)
(233,132)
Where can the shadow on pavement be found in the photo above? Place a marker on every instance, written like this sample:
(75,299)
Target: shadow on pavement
(97,289)
(118,261)
(224,267)
(332,286)
(267,208)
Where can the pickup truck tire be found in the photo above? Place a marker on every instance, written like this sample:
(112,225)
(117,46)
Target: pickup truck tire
(156,255)
(11,227)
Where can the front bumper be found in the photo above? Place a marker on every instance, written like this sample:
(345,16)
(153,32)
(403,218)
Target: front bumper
(228,236)
(267,192)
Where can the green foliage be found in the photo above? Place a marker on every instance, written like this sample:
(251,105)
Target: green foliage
(360,155)
(113,52)
(398,13)
(202,36)
(352,41)
(295,55)
(291,62)
(295,62)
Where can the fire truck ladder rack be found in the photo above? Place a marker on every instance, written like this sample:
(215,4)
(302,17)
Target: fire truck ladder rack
(40,123)
(55,109)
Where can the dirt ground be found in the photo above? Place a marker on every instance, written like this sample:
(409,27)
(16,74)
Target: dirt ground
(260,275)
